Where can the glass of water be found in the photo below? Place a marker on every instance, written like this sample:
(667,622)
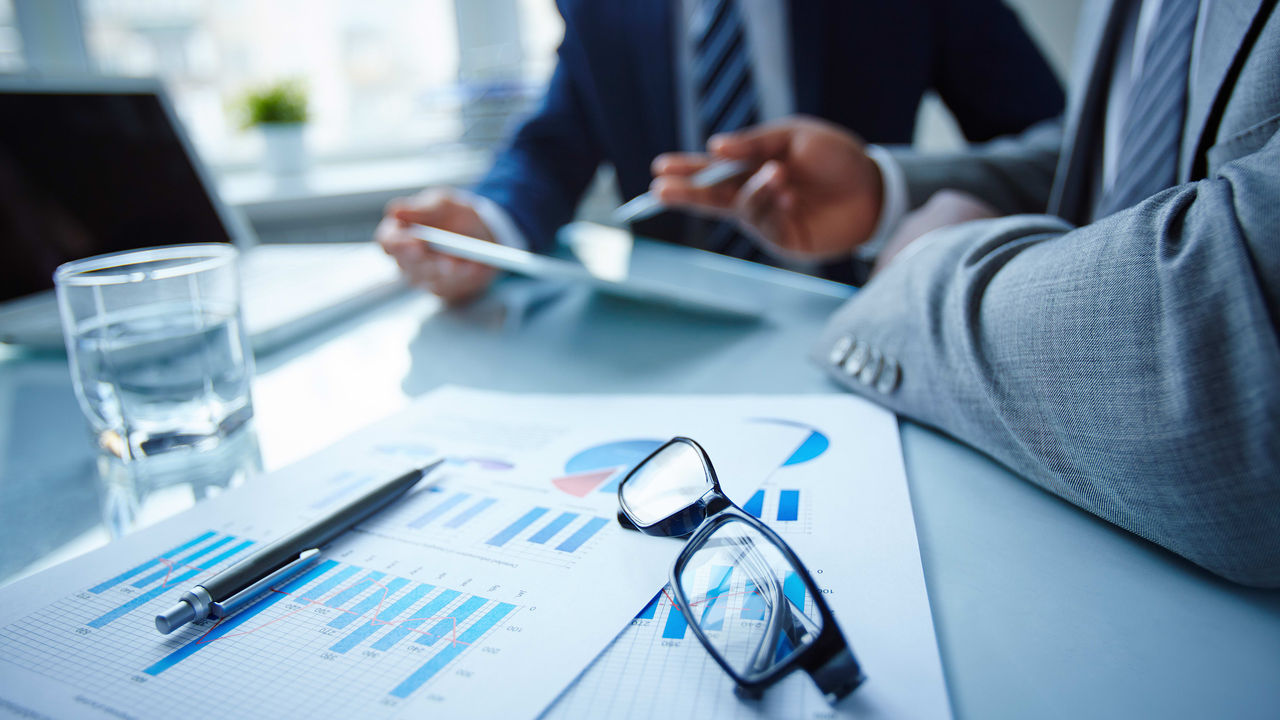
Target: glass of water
(159,357)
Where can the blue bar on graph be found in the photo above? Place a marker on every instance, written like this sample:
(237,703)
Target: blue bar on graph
(424,613)
(225,626)
(584,534)
(372,601)
(180,562)
(716,598)
(514,528)
(755,506)
(788,505)
(97,589)
(384,618)
(461,518)
(446,655)
(155,592)
(341,598)
(753,606)
(318,592)
(676,624)
(449,625)
(793,588)
(651,609)
(445,506)
(553,527)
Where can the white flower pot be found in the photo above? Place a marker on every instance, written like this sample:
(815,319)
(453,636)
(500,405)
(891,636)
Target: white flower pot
(284,152)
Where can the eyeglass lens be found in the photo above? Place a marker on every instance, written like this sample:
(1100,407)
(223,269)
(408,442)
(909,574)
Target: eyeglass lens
(749,599)
(668,482)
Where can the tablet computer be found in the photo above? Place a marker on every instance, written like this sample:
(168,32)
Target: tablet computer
(613,280)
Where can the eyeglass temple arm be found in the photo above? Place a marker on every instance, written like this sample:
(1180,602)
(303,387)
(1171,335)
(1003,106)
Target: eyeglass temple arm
(763,579)
(837,675)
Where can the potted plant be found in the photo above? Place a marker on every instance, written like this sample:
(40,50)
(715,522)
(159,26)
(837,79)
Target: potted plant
(279,111)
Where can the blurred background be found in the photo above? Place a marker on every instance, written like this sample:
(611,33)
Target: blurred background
(402,94)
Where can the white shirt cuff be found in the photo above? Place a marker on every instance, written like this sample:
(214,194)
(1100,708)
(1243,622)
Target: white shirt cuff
(893,204)
(499,221)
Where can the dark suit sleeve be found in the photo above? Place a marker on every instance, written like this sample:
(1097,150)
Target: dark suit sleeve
(988,71)
(540,177)
(1130,366)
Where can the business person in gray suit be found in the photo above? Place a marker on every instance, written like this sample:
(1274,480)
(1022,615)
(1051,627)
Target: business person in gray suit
(1112,335)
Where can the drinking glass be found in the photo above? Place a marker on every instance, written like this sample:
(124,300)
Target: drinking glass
(158,353)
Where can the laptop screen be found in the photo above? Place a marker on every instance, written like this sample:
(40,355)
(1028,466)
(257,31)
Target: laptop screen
(88,173)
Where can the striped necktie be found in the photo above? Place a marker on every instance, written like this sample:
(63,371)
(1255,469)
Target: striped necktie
(1149,139)
(724,87)
(724,96)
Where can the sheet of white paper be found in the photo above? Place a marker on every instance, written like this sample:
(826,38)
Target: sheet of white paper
(512,558)
(841,502)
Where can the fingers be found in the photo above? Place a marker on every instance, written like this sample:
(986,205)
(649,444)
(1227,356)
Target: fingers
(455,280)
(677,191)
(767,205)
(764,142)
(680,164)
(452,279)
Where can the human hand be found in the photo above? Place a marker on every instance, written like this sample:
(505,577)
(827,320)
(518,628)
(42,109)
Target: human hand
(453,279)
(816,194)
(943,209)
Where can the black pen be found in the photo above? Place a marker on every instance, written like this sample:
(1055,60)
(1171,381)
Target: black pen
(233,588)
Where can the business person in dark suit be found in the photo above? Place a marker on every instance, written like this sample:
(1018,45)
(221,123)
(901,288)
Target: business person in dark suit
(1114,336)
(636,78)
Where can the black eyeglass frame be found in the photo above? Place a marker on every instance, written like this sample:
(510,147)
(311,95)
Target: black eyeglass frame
(828,660)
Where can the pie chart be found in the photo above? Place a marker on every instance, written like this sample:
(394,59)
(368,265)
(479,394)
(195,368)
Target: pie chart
(601,467)
(813,446)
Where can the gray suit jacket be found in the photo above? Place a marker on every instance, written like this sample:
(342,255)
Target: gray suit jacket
(1130,365)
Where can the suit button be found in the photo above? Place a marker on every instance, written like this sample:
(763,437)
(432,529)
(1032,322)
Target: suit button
(871,371)
(890,376)
(840,350)
(857,359)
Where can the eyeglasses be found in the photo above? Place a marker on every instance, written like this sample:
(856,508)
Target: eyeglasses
(743,591)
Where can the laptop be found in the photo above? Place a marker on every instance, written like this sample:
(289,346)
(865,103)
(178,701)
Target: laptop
(92,166)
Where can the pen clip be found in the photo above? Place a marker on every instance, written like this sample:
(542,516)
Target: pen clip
(226,607)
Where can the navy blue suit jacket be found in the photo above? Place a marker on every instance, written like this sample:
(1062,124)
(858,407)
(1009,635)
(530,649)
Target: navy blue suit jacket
(863,64)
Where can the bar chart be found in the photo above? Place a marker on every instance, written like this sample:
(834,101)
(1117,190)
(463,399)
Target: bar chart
(728,598)
(783,504)
(382,638)
(375,610)
(493,523)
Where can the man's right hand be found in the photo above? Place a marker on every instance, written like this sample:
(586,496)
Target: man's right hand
(816,195)
(453,279)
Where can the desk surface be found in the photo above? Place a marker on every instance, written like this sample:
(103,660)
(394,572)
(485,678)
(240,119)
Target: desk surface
(1041,609)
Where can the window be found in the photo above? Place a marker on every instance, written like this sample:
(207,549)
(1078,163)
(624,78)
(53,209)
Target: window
(384,77)
(10,42)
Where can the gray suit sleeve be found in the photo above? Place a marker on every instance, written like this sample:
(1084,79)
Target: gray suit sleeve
(1014,174)
(1131,366)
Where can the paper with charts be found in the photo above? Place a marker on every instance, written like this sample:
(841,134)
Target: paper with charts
(509,573)
(844,508)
